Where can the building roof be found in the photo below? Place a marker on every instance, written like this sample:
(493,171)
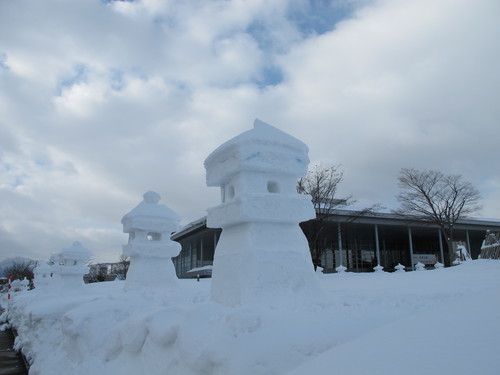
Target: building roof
(355,216)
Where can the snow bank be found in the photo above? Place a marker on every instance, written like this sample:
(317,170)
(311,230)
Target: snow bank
(435,322)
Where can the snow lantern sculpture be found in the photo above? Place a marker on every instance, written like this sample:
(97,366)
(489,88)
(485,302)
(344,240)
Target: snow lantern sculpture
(400,268)
(341,269)
(262,255)
(150,249)
(72,265)
(25,284)
(420,267)
(43,275)
(378,269)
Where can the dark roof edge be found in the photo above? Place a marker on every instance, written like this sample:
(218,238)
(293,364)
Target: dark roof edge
(354,216)
(190,227)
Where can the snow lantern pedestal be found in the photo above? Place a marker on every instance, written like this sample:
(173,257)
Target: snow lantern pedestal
(72,266)
(262,256)
(150,249)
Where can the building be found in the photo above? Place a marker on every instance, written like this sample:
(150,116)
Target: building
(198,248)
(358,242)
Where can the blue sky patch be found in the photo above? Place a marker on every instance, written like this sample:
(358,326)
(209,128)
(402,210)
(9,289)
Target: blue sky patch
(80,75)
(116,79)
(3,61)
(113,1)
(319,16)
(271,76)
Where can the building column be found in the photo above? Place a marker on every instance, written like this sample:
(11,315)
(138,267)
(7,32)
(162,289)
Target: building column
(377,247)
(468,242)
(190,255)
(441,245)
(411,248)
(339,237)
(201,252)
(181,270)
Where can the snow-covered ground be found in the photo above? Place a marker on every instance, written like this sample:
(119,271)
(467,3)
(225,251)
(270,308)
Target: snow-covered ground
(432,322)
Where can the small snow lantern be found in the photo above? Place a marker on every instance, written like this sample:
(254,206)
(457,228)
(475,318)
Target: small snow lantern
(420,267)
(400,268)
(150,249)
(378,268)
(25,284)
(341,269)
(262,255)
(72,265)
(43,275)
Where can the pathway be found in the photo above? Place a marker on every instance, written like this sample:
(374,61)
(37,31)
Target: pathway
(11,362)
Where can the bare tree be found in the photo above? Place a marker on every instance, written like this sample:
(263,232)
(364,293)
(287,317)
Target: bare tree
(435,197)
(20,270)
(321,183)
(121,267)
(97,273)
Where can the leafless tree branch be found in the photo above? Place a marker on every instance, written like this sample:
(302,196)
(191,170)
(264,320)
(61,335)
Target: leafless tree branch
(438,198)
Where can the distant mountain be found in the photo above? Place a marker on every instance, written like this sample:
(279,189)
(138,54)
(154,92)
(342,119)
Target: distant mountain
(10,261)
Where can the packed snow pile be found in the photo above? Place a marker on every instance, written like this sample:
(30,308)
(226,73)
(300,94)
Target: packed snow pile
(435,322)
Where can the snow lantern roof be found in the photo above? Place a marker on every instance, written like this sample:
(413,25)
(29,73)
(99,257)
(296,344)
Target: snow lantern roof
(76,252)
(149,215)
(263,148)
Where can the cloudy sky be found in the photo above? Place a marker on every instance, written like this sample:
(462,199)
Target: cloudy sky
(101,101)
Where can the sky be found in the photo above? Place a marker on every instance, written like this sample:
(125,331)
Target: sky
(101,101)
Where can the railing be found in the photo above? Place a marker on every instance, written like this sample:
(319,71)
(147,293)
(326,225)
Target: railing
(491,246)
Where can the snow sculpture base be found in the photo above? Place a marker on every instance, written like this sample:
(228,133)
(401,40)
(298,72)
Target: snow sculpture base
(149,270)
(258,263)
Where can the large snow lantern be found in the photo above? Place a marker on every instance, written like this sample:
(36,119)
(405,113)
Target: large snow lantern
(262,255)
